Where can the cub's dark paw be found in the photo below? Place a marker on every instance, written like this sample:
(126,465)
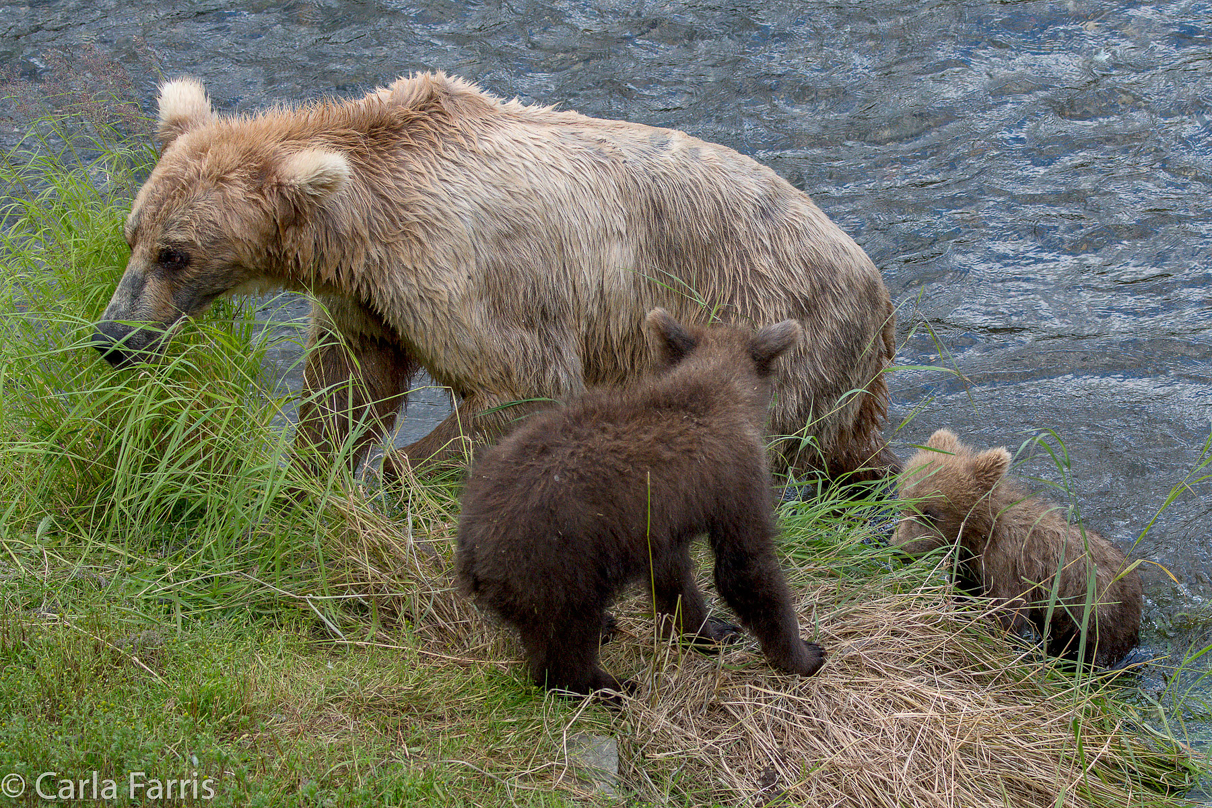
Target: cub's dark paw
(814,659)
(610,627)
(714,633)
(803,658)
(723,631)
(613,695)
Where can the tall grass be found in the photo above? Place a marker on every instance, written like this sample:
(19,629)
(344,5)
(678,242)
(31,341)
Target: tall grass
(290,617)
(182,465)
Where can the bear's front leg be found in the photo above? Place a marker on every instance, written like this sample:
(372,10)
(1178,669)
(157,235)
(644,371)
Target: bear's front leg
(1013,614)
(562,652)
(478,419)
(1007,591)
(355,381)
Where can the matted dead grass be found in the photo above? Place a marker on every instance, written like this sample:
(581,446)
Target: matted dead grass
(915,707)
(919,704)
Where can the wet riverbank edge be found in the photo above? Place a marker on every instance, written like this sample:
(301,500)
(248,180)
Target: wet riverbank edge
(180,602)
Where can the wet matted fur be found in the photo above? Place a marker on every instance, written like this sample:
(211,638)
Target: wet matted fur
(511,250)
(1021,550)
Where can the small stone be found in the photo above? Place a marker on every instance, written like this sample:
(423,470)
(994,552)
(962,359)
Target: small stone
(596,759)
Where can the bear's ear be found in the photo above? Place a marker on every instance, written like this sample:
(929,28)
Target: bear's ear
(668,337)
(944,440)
(311,176)
(990,466)
(183,106)
(772,341)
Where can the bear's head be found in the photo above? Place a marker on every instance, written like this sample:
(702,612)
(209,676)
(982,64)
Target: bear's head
(950,495)
(209,218)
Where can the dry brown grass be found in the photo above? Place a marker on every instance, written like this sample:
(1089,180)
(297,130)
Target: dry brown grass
(915,708)
(919,704)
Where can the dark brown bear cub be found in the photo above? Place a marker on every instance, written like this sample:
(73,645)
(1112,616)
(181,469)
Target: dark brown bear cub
(611,489)
(1021,550)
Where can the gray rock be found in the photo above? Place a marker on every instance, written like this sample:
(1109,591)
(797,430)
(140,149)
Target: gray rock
(596,761)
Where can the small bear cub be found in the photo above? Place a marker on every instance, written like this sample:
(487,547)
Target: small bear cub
(1019,549)
(611,489)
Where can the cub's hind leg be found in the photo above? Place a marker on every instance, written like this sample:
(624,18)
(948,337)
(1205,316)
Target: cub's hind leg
(748,576)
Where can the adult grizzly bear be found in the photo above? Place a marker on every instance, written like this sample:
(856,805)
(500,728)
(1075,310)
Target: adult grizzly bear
(510,250)
(1021,550)
(582,500)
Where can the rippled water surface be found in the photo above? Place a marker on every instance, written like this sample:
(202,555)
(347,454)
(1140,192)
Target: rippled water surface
(1034,179)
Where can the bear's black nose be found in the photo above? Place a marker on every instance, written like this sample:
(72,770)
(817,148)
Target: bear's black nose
(109,350)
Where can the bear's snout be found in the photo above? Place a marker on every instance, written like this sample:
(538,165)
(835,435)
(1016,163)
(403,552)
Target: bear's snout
(121,345)
(109,350)
(107,346)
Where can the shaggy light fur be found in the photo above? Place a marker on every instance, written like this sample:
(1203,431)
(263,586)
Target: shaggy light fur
(510,250)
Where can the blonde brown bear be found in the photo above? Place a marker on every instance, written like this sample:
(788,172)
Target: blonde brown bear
(510,250)
(1015,545)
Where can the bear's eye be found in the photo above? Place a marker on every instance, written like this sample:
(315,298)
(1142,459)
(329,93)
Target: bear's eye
(173,258)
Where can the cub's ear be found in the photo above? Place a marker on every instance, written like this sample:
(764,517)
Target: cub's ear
(944,440)
(669,339)
(772,341)
(313,175)
(990,466)
(183,106)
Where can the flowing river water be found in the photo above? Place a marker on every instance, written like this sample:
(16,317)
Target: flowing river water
(1034,179)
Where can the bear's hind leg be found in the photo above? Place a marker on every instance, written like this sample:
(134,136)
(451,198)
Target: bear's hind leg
(748,577)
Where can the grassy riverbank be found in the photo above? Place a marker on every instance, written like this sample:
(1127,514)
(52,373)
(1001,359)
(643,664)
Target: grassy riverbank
(178,602)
